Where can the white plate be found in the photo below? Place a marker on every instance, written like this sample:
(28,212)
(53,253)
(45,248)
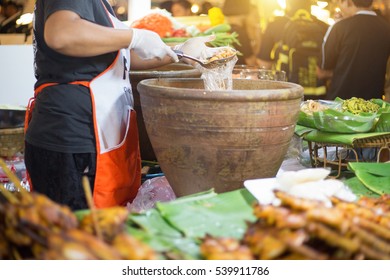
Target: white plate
(320,190)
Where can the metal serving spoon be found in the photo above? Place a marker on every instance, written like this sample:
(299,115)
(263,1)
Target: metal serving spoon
(212,64)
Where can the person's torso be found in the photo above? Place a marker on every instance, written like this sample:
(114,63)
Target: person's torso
(244,47)
(271,36)
(62,119)
(51,66)
(361,53)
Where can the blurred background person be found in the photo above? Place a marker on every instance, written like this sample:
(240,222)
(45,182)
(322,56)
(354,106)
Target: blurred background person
(2,15)
(292,43)
(240,17)
(166,5)
(205,7)
(355,52)
(181,8)
(12,11)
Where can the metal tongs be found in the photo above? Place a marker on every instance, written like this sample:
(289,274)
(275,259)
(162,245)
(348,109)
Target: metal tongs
(207,64)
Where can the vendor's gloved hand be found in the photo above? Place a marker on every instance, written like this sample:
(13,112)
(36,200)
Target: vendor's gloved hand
(196,46)
(148,45)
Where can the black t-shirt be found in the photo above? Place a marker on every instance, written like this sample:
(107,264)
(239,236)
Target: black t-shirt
(245,47)
(272,35)
(62,117)
(357,49)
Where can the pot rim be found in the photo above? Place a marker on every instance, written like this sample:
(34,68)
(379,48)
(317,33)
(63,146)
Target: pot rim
(290,92)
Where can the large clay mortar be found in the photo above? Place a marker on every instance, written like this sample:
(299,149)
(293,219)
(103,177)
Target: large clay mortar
(174,70)
(218,139)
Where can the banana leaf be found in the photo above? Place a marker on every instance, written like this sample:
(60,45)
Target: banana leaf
(151,228)
(385,106)
(374,176)
(340,138)
(375,168)
(301,130)
(359,189)
(175,227)
(377,184)
(383,123)
(306,120)
(332,120)
(177,248)
(221,215)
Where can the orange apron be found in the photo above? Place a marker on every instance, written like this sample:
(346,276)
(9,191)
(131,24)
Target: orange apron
(118,167)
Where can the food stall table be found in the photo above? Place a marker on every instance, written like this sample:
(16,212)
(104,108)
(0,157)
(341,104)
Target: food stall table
(348,147)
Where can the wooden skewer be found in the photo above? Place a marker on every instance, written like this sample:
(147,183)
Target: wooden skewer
(88,196)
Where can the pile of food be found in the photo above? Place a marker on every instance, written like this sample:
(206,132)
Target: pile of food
(307,229)
(156,22)
(172,32)
(356,106)
(34,227)
(354,115)
(222,54)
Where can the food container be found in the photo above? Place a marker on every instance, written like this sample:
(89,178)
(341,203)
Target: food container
(217,139)
(343,122)
(308,107)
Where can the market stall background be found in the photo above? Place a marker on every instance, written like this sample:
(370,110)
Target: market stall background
(207,225)
(16,52)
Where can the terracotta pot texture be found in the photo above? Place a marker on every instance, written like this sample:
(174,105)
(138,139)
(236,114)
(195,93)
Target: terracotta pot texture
(174,70)
(218,139)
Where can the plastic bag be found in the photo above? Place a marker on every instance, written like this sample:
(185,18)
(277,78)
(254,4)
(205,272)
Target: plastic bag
(219,78)
(17,166)
(151,191)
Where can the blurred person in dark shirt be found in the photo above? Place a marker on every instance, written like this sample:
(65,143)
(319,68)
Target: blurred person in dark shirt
(272,38)
(355,52)
(240,20)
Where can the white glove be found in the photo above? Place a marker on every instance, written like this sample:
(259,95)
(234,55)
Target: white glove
(148,45)
(195,47)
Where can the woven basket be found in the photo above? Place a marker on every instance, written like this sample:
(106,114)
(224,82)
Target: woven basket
(11,141)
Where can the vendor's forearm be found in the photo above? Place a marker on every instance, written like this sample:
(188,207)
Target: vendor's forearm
(139,64)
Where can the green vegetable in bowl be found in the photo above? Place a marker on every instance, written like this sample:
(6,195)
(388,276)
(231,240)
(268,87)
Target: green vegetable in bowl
(357,105)
(344,122)
(308,107)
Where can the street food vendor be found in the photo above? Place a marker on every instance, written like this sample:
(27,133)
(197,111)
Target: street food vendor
(355,52)
(81,120)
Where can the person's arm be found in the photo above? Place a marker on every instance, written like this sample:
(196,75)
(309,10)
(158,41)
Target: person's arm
(264,63)
(329,54)
(138,63)
(324,74)
(68,34)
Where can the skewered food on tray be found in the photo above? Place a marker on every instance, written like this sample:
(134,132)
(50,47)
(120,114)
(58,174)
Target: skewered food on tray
(34,227)
(306,229)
